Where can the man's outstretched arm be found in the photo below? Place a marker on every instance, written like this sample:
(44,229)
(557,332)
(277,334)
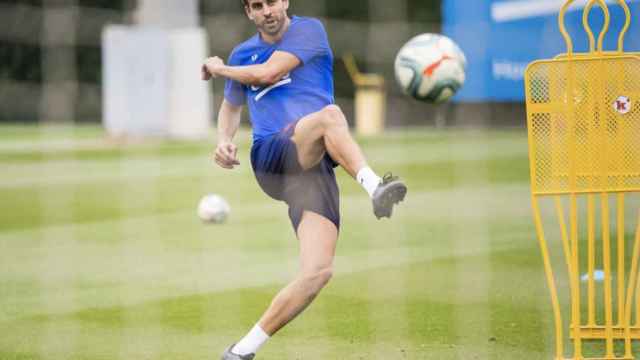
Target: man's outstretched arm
(279,64)
(229,116)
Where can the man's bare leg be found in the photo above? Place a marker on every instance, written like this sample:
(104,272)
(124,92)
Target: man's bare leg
(327,131)
(317,236)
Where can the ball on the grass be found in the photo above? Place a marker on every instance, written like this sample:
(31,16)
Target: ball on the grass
(213,209)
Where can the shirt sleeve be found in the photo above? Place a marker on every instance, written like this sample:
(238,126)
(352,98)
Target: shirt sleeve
(233,90)
(306,40)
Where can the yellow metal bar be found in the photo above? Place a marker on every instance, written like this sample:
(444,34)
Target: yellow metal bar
(530,138)
(587,27)
(633,273)
(637,323)
(621,253)
(591,254)
(580,151)
(606,251)
(570,247)
(566,247)
(574,269)
(575,276)
(625,28)
(352,68)
(619,333)
(637,286)
(555,303)
(605,28)
(585,16)
(563,29)
(607,190)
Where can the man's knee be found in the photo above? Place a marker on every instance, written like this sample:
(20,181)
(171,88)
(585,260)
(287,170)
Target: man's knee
(318,279)
(333,116)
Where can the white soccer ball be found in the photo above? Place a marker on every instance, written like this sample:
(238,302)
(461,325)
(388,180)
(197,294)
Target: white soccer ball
(431,68)
(213,209)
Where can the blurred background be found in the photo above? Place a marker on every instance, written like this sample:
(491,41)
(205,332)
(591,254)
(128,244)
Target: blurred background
(48,46)
(51,50)
(106,133)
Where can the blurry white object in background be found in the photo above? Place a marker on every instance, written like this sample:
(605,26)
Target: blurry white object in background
(213,209)
(151,73)
(168,13)
(190,110)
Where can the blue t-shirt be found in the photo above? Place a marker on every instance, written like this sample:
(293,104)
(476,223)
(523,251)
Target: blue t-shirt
(306,89)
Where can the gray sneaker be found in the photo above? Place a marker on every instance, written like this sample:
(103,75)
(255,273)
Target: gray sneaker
(228,355)
(390,192)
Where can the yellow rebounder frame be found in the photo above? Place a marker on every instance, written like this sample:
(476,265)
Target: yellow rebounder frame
(584,151)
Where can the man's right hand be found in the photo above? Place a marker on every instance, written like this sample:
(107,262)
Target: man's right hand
(210,67)
(226,155)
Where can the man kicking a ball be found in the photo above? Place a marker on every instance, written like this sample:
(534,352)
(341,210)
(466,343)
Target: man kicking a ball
(284,74)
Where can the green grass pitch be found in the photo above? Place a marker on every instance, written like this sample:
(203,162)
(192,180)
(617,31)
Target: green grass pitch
(103,257)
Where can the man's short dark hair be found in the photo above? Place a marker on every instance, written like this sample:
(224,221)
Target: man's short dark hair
(245,2)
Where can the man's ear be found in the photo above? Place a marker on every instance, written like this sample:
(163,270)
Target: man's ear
(248,12)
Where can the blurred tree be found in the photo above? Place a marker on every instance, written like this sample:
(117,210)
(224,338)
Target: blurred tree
(20,62)
(108,4)
(424,10)
(213,7)
(22,2)
(356,10)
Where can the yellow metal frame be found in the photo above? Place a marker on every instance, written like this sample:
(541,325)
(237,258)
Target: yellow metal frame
(582,151)
(589,31)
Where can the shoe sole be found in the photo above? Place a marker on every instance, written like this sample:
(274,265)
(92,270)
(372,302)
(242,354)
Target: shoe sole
(394,195)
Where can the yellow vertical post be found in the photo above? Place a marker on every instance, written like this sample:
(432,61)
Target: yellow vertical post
(591,282)
(370,99)
(621,255)
(606,251)
(548,269)
(633,277)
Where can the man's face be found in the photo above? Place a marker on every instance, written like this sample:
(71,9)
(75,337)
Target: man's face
(268,15)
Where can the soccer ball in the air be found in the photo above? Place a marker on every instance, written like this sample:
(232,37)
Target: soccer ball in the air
(430,67)
(213,209)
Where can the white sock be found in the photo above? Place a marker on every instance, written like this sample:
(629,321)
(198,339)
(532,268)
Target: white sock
(368,179)
(251,342)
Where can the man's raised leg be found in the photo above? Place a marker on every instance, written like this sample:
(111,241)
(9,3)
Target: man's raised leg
(317,236)
(327,131)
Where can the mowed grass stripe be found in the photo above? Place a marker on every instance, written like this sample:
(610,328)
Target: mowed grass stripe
(143,279)
(163,269)
(427,306)
(91,201)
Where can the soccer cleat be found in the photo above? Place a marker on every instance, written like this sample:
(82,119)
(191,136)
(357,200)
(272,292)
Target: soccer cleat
(390,192)
(228,355)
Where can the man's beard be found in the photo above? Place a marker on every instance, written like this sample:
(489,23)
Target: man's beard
(272,28)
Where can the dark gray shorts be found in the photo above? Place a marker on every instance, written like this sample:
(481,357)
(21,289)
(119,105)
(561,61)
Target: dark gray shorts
(275,164)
